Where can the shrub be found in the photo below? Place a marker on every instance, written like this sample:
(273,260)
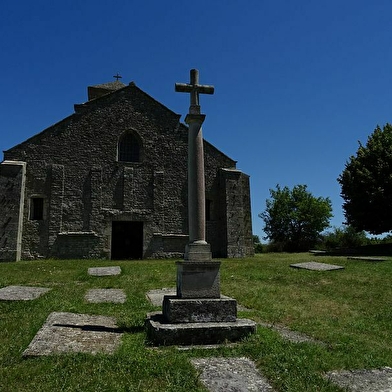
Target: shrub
(346,238)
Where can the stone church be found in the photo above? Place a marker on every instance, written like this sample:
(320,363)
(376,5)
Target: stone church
(110,181)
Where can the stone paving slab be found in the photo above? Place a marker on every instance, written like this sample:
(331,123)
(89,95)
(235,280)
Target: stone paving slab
(97,296)
(230,374)
(156,296)
(377,380)
(21,293)
(364,258)
(315,266)
(69,332)
(104,271)
(289,334)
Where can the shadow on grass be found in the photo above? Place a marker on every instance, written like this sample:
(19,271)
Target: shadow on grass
(101,328)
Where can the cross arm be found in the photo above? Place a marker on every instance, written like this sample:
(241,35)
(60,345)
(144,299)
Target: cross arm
(187,88)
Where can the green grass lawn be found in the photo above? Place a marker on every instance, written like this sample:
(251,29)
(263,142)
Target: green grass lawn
(349,310)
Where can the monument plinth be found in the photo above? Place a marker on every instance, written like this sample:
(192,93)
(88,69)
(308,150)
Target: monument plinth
(198,314)
(198,279)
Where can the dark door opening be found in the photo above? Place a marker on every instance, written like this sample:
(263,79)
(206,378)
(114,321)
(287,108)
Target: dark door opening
(127,240)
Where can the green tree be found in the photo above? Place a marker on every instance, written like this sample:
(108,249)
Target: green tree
(366,184)
(295,218)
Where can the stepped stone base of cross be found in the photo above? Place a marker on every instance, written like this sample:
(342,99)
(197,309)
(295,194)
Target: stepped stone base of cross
(198,314)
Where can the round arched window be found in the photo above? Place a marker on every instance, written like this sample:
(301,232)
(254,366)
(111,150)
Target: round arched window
(129,148)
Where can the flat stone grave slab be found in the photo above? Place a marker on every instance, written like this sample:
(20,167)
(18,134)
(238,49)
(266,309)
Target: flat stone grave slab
(317,252)
(156,297)
(315,266)
(21,293)
(230,374)
(75,333)
(105,295)
(289,334)
(364,258)
(104,271)
(377,380)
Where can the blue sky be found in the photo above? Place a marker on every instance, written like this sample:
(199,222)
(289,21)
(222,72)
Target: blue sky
(297,83)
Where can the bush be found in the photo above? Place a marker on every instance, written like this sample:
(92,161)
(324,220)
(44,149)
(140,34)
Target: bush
(257,244)
(344,238)
(275,247)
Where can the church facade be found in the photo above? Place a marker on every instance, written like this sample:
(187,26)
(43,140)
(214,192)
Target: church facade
(110,181)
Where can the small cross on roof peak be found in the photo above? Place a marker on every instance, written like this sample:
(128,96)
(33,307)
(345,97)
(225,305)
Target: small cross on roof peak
(117,76)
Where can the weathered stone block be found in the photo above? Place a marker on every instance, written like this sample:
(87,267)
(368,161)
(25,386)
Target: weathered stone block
(197,252)
(161,333)
(206,310)
(198,280)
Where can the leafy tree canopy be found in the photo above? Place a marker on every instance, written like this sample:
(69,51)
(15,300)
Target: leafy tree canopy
(366,184)
(295,218)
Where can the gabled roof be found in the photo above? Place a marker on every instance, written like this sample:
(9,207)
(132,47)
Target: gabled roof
(115,85)
(102,89)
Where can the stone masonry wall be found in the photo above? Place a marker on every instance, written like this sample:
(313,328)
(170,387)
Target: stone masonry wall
(238,221)
(12,186)
(73,167)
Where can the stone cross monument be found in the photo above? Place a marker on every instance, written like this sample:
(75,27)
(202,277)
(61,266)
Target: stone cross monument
(198,314)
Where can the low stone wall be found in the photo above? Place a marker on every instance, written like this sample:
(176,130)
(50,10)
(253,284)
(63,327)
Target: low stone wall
(78,245)
(164,246)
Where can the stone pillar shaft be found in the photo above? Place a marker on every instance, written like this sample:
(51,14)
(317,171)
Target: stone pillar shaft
(196,182)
